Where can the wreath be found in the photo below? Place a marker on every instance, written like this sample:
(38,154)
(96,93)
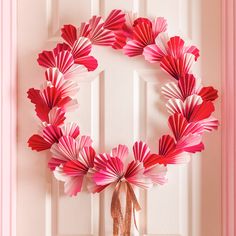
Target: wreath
(73,159)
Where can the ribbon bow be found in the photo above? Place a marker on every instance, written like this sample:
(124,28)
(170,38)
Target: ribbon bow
(121,224)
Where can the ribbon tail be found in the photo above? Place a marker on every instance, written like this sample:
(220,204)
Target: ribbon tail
(116,212)
(128,214)
(135,203)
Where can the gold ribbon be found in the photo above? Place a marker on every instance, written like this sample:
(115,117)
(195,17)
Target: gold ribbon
(121,225)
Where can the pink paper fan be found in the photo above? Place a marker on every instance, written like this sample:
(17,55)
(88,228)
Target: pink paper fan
(98,35)
(159,25)
(67,149)
(112,173)
(172,90)
(157,174)
(56,116)
(100,161)
(87,155)
(60,57)
(65,87)
(135,175)
(121,151)
(71,129)
(186,108)
(73,185)
(133,48)
(191,143)
(81,47)
(209,124)
(152,53)
(141,151)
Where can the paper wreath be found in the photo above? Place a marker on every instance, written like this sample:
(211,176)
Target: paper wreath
(73,159)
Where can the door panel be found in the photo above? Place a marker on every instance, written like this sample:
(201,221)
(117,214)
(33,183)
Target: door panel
(119,103)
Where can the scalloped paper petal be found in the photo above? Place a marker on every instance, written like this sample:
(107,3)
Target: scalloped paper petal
(121,151)
(41,108)
(171,90)
(112,173)
(56,116)
(159,25)
(135,175)
(133,48)
(75,168)
(176,47)
(157,174)
(67,149)
(187,85)
(98,35)
(141,151)
(38,143)
(202,111)
(152,53)
(120,40)
(177,67)
(115,20)
(186,108)
(193,50)
(65,87)
(87,155)
(69,34)
(143,33)
(166,145)
(208,93)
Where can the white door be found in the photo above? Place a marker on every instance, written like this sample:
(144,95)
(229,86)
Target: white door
(120,103)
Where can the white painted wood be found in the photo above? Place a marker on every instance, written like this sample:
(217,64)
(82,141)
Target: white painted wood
(119,103)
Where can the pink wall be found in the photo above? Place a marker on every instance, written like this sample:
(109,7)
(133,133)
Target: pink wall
(8,117)
(228,116)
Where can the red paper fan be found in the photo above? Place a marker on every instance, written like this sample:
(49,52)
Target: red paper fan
(69,34)
(98,34)
(115,20)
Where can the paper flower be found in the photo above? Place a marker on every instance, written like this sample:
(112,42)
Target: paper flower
(50,134)
(144,34)
(186,86)
(114,167)
(76,166)
(174,57)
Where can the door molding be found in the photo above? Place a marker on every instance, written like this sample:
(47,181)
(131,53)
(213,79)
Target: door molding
(228,117)
(8,111)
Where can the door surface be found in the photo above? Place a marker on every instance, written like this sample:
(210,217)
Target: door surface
(119,103)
